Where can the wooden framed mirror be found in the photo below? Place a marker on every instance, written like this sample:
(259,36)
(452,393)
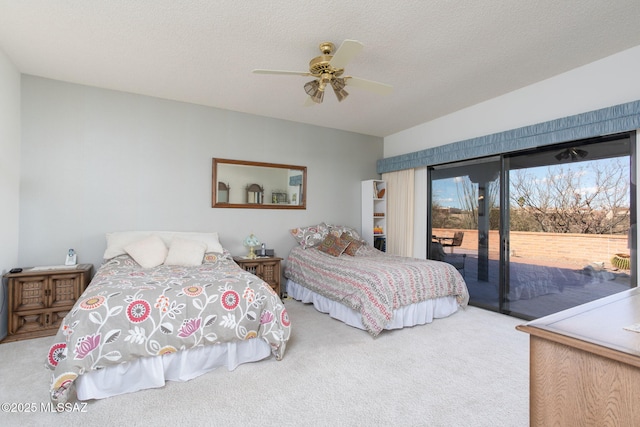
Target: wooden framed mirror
(259,185)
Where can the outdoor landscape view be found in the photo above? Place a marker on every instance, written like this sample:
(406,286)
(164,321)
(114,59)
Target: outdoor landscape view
(568,237)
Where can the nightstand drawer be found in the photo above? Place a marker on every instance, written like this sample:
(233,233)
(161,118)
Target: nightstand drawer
(266,268)
(39,299)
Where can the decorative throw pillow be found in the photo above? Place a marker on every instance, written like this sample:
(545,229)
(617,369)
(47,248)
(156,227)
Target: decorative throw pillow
(354,244)
(333,245)
(310,236)
(338,230)
(149,252)
(210,258)
(185,252)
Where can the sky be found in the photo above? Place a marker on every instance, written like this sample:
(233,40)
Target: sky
(445,191)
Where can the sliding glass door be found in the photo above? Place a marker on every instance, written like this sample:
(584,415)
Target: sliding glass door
(542,230)
(569,227)
(465,202)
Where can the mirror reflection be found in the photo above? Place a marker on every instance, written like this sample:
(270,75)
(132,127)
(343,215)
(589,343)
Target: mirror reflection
(223,192)
(245,184)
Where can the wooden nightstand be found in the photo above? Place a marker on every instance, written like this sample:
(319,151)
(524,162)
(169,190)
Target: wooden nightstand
(266,268)
(40,298)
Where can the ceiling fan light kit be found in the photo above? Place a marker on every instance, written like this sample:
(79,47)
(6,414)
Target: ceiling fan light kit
(328,69)
(573,154)
(314,91)
(338,88)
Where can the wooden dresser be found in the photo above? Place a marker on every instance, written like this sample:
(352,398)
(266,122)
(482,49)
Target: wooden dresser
(584,366)
(40,298)
(266,268)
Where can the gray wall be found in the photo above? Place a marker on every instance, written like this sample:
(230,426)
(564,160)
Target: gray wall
(9,164)
(96,160)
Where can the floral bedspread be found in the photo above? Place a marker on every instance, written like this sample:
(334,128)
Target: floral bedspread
(128,312)
(374,283)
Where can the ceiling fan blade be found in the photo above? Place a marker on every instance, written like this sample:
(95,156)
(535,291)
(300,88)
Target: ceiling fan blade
(370,85)
(295,73)
(347,50)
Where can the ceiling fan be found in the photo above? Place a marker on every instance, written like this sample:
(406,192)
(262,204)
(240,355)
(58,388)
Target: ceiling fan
(572,154)
(328,69)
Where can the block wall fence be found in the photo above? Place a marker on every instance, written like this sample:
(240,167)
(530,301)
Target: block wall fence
(575,248)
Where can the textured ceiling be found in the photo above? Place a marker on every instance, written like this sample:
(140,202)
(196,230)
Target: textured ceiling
(440,56)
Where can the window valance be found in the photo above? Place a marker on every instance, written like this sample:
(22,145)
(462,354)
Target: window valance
(610,120)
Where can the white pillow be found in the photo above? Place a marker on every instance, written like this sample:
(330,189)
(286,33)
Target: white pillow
(116,241)
(185,252)
(210,239)
(149,252)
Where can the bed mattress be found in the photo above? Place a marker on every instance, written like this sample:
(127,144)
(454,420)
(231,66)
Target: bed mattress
(420,313)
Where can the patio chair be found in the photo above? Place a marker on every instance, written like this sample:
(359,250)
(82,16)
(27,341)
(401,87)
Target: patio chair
(452,242)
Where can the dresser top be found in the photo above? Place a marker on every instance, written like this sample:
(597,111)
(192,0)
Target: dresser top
(601,322)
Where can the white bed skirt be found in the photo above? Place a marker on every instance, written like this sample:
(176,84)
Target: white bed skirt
(153,372)
(415,314)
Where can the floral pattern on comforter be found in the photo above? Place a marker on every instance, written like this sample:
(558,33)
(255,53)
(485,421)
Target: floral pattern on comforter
(374,283)
(128,312)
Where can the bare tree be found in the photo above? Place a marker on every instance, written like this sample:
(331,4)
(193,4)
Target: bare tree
(562,202)
(468,199)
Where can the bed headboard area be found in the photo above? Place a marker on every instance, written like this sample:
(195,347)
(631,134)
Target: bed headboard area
(117,241)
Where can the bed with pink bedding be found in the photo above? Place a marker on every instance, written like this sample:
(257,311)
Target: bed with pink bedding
(371,289)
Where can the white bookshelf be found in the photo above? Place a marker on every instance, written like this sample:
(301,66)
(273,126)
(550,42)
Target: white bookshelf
(374,212)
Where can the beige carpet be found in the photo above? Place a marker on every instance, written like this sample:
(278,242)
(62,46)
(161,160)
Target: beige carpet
(470,369)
